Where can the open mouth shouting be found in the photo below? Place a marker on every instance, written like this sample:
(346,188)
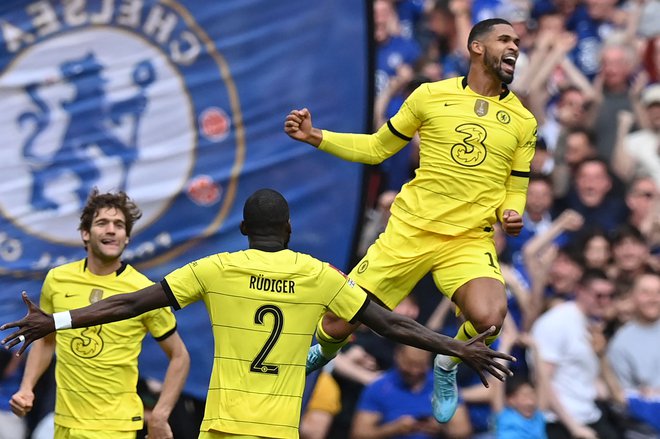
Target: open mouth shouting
(509,63)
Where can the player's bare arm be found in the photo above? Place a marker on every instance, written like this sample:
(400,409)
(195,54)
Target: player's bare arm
(175,378)
(402,329)
(298,125)
(37,323)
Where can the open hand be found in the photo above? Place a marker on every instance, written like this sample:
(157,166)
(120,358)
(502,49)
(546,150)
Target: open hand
(483,359)
(35,325)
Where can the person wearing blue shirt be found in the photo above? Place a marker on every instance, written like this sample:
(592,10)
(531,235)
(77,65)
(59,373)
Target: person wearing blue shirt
(398,404)
(520,418)
(517,404)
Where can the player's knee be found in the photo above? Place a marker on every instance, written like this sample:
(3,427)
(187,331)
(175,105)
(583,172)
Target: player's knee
(485,317)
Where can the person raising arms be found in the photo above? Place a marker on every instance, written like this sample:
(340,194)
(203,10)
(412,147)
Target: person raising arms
(477,141)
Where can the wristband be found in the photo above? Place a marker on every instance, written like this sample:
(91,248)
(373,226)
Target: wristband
(62,320)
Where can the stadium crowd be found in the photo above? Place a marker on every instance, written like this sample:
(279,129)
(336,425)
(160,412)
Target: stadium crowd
(583,277)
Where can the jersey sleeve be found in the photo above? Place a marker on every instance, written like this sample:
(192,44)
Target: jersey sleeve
(405,123)
(160,323)
(349,298)
(46,298)
(186,285)
(387,141)
(518,180)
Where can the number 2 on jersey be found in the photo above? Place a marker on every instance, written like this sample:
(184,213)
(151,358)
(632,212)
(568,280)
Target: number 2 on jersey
(258,364)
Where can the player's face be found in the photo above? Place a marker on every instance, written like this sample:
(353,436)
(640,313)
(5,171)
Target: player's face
(501,52)
(107,238)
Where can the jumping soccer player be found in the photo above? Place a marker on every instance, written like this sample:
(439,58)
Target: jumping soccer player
(476,144)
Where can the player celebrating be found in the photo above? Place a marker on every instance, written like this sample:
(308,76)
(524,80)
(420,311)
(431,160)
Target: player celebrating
(97,367)
(264,304)
(476,144)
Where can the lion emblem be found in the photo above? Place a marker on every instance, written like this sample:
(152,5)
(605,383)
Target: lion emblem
(91,119)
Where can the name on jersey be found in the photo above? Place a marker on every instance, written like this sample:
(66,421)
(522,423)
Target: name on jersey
(272,285)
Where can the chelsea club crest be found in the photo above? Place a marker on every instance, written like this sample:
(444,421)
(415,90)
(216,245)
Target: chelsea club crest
(120,95)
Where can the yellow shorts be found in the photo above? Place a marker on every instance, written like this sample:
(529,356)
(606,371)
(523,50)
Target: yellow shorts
(77,433)
(219,435)
(403,254)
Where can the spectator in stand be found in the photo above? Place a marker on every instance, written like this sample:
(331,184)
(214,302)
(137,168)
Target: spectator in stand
(631,351)
(448,25)
(518,404)
(536,218)
(630,254)
(637,153)
(643,201)
(596,249)
(323,406)
(361,363)
(410,13)
(618,63)
(571,352)
(594,197)
(579,144)
(397,404)
(393,52)
(593,21)
(554,270)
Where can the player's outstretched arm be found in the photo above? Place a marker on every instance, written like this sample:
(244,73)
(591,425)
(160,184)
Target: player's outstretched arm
(402,329)
(37,323)
(298,125)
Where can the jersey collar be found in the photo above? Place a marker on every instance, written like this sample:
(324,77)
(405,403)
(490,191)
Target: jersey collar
(119,271)
(505,89)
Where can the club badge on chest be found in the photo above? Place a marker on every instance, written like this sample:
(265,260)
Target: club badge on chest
(95,295)
(481,107)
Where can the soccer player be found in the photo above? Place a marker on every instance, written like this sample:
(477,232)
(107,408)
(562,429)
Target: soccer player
(476,144)
(264,304)
(96,371)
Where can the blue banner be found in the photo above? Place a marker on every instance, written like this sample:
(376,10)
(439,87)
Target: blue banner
(181,104)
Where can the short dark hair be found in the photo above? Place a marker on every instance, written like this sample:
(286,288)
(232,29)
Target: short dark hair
(483,28)
(573,253)
(591,135)
(515,382)
(119,201)
(265,211)
(535,176)
(593,274)
(627,231)
(598,160)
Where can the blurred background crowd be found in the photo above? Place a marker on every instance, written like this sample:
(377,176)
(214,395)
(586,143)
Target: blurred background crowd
(583,277)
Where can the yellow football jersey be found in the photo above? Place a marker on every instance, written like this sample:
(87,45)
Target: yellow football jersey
(263,307)
(97,367)
(475,156)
